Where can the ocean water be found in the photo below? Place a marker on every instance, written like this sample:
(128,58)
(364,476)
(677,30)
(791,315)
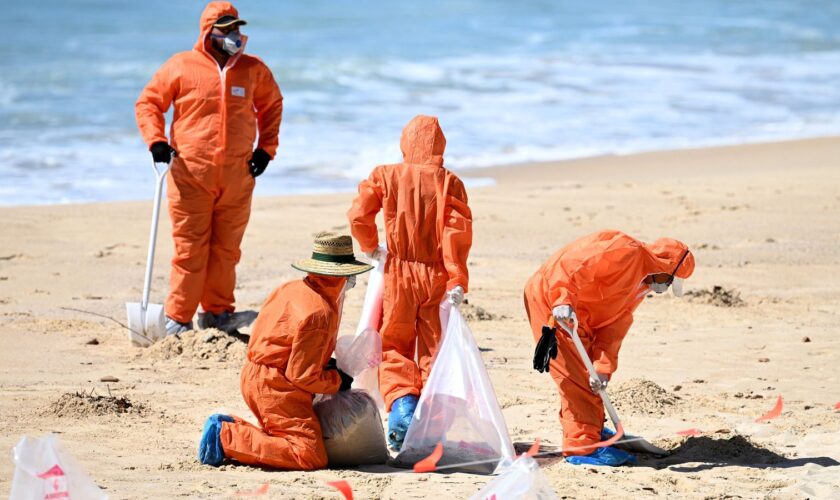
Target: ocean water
(511,81)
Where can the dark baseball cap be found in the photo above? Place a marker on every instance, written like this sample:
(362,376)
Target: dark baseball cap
(227,21)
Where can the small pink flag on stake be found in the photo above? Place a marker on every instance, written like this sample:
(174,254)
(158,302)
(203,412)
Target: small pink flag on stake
(343,487)
(690,432)
(837,406)
(429,464)
(775,412)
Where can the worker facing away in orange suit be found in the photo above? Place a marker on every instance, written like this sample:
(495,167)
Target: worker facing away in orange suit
(597,280)
(222,98)
(428,230)
(288,363)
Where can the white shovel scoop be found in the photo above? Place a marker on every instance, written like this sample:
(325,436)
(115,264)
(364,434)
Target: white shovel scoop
(147,322)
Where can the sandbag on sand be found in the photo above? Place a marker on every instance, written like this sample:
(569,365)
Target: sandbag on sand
(352,429)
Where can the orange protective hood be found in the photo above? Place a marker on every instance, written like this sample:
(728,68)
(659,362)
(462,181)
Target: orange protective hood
(211,14)
(423,142)
(665,254)
(328,287)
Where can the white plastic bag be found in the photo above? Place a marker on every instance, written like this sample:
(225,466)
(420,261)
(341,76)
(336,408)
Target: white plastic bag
(458,407)
(523,480)
(361,355)
(352,429)
(45,470)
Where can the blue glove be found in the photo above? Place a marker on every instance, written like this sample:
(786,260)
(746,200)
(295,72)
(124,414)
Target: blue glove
(402,411)
(609,456)
(210,450)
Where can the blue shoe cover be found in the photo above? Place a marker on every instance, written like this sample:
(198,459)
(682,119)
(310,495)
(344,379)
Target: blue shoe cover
(402,411)
(609,456)
(210,447)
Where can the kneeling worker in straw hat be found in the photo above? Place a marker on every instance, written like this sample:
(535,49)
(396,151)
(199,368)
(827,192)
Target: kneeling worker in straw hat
(288,363)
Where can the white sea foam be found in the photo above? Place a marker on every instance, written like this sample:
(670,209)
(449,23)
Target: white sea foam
(541,81)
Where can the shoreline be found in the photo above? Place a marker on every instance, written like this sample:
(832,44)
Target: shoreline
(577,168)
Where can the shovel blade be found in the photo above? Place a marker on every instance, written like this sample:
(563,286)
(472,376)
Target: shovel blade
(639,445)
(143,332)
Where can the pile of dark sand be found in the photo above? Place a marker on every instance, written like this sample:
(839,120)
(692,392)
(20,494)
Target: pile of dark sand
(734,450)
(85,404)
(208,345)
(473,312)
(717,296)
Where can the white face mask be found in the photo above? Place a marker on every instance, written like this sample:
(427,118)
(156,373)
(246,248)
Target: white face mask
(659,287)
(677,287)
(350,284)
(231,43)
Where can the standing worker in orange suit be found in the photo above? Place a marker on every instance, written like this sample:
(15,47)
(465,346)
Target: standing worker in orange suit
(222,98)
(599,279)
(428,228)
(288,363)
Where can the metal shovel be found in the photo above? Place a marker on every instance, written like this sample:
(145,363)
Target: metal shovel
(147,322)
(627,442)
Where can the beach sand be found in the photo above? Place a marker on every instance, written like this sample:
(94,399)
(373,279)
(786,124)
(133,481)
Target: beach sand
(763,221)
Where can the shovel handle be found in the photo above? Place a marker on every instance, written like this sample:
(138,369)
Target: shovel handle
(584,356)
(160,176)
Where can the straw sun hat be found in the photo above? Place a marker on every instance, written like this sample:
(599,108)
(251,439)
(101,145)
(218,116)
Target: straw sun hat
(332,255)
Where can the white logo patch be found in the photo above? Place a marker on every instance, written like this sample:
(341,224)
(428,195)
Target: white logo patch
(237,91)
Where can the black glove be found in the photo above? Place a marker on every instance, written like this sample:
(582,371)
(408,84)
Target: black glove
(259,160)
(346,381)
(162,152)
(546,349)
(331,365)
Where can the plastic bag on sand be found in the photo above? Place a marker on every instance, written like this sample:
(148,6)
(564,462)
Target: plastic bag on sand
(360,356)
(458,408)
(352,429)
(521,481)
(45,470)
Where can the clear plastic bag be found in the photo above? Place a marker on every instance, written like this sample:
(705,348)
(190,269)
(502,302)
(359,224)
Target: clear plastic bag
(458,408)
(352,429)
(523,480)
(356,354)
(360,356)
(45,470)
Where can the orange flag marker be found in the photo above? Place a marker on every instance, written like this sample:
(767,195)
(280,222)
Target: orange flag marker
(690,432)
(343,487)
(429,464)
(775,412)
(534,449)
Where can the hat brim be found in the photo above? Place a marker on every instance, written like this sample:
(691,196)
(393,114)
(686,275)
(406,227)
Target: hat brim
(332,268)
(230,23)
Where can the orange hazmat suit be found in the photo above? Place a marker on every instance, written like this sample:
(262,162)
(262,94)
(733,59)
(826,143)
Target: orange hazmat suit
(217,113)
(601,276)
(428,230)
(291,342)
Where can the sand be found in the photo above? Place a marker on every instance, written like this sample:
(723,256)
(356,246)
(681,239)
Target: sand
(763,220)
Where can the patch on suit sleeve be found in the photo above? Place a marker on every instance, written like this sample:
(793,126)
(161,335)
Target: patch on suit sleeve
(237,91)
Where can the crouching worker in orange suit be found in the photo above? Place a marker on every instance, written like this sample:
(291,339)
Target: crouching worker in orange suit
(221,98)
(428,228)
(600,280)
(288,363)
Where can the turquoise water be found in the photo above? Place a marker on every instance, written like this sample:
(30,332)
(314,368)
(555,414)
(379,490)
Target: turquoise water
(511,81)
